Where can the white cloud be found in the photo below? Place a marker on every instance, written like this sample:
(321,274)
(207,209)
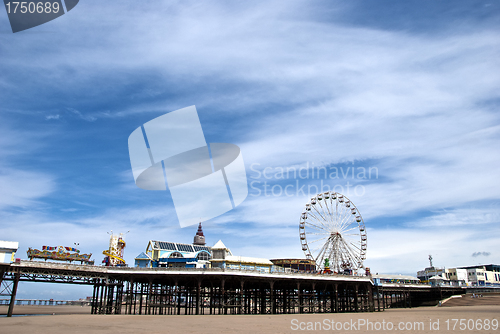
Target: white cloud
(23,188)
(85,117)
(50,117)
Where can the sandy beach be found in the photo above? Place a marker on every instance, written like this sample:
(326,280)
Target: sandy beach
(416,320)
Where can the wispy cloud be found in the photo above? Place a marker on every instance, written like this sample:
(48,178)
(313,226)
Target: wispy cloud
(20,188)
(88,118)
(476,254)
(51,117)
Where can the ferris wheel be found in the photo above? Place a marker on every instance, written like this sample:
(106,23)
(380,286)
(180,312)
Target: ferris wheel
(331,228)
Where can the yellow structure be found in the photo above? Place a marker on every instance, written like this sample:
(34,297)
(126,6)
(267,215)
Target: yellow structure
(114,255)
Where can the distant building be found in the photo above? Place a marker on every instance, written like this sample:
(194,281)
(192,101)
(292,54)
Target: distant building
(482,275)
(457,276)
(427,273)
(478,275)
(8,251)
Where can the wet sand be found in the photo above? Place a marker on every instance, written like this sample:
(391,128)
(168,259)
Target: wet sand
(427,317)
(45,309)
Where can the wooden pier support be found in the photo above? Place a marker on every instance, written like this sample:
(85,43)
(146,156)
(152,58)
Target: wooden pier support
(228,295)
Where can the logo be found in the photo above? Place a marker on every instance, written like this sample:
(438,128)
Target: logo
(205,180)
(28,14)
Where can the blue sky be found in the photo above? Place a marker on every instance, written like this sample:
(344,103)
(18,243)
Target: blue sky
(408,88)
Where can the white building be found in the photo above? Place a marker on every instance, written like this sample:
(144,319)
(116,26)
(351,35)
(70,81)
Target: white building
(487,274)
(8,251)
(476,276)
(427,273)
(223,258)
(457,276)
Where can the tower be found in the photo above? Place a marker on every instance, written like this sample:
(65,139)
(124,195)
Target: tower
(199,238)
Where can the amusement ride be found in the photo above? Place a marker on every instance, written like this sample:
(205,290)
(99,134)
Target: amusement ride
(332,233)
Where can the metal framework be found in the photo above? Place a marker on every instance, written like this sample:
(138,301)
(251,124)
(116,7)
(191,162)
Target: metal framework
(166,291)
(184,292)
(223,294)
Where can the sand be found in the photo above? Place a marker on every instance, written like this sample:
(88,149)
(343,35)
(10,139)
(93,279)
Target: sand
(428,317)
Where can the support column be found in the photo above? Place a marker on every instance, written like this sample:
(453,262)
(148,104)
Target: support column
(211,297)
(17,276)
(273,301)
(131,295)
(336,287)
(223,295)
(2,273)
(150,296)
(198,288)
(94,299)
(312,296)
(371,304)
(178,299)
(140,298)
(356,296)
(240,308)
(299,295)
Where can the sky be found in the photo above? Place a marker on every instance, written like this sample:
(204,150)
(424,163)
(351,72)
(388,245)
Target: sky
(407,90)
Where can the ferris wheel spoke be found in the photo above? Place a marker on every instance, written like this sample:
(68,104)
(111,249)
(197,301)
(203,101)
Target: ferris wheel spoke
(346,215)
(330,212)
(321,254)
(319,213)
(326,212)
(343,221)
(348,222)
(351,252)
(322,208)
(352,228)
(343,231)
(316,227)
(316,233)
(320,221)
(355,246)
(317,240)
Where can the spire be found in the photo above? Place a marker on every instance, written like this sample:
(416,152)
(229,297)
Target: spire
(200,231)
(199,238)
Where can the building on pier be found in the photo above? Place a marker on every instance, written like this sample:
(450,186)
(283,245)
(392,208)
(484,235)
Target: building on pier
(166,254)
(427,273)
(304,265)
(143,260)
(176,255)
(8,251)
(385,279)
(224,258)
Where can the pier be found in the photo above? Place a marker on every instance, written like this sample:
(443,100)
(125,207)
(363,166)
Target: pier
(123,290)
(186,291)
